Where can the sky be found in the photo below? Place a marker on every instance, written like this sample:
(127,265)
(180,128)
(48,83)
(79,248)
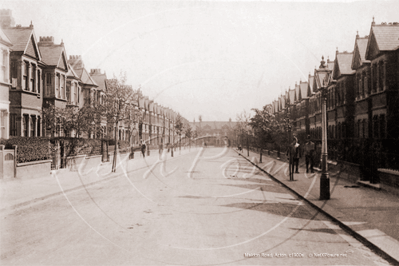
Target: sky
(213,59)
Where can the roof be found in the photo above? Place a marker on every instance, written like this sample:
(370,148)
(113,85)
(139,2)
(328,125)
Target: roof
(344,61)
(291,95)
(86,79)
(19,37)
(362,46)
(99,78)
(4,39)
(51,55)
(330,65)
(387,36)
(76,61)
(77,64)
(303,89)
(310,84)
(71,72)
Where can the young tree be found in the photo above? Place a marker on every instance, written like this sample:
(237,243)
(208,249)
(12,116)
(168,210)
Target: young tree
(243,126)
(267,128)
(71,120)
(188,133)
(179,127)
(117,106)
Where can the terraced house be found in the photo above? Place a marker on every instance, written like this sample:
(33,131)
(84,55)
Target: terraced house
(362,103)
(5,84)
(38,74)
(26,92)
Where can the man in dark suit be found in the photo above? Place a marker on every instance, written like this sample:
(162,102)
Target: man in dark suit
(293,154)
(309,148)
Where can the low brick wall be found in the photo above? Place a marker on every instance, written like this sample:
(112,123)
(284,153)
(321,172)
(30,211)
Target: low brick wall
(389,180)
(350,171)
(73,162)
(33,169)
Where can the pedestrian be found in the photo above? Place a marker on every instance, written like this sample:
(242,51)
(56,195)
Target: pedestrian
(293,154)
(239,148)
(309,150)
(143,148)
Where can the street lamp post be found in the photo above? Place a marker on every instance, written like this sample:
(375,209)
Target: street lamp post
(247,140)
(288,127)
(324,179)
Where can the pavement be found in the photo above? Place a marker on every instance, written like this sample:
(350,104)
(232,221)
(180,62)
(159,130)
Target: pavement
(18,193)
(371,216)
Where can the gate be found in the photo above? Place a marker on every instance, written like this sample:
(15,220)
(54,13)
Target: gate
(104,151)
(7,162)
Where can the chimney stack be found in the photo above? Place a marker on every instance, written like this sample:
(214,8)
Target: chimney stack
(46,40)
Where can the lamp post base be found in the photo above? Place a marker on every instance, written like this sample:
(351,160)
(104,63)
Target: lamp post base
(324,187)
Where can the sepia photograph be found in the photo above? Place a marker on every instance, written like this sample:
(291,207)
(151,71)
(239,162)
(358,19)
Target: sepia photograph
(199,132)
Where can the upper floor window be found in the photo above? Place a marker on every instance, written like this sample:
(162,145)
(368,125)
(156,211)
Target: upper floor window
(381,76)
(374,72)
(48,82)
(57,86)
(14,72)
(62,87)
(360,92)
(68,91)
(32,76)
(25,70)
(75,93)
(4,65)
(38,80)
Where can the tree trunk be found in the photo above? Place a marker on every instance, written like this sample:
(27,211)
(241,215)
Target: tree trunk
(116,147)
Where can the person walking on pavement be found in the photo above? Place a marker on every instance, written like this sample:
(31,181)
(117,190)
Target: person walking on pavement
(309,150)
(143,148)
(293,154)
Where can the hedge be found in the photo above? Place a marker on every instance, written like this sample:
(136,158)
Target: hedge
(29,149)
(77,146)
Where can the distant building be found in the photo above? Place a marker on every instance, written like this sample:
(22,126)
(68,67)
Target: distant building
(214,132)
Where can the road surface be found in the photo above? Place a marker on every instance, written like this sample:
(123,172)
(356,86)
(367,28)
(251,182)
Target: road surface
(198,209)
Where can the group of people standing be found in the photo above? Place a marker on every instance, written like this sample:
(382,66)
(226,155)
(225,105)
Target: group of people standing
(294,152)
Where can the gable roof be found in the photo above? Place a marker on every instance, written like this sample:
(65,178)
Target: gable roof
(4,39)
(297,93)
(72,73)
(54,55)
(386,37)
(291,95)
(99,78)
(343,64)
(86,79)
(330,64)
(21,37)
(310,85)
(359,52)
(77,64)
